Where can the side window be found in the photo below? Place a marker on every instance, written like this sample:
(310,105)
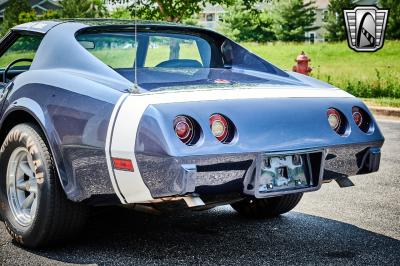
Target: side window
(173,52)
(24,47)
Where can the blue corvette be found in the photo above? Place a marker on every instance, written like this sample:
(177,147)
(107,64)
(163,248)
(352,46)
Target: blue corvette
(158,116)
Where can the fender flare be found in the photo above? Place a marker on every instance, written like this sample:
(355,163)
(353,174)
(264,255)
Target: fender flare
(34,110)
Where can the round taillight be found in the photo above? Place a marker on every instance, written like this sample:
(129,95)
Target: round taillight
(334,119)
(184,129)
(357,116)
(362,119)
(219,127)
(222,128)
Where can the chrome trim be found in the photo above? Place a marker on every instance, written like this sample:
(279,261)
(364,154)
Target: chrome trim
(171,176)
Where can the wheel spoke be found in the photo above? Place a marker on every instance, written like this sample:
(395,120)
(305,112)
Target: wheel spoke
(21,184)
(28,201)
(24,166)
(33,208)
(33,187)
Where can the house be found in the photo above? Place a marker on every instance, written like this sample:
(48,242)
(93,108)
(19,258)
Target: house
(210,16)
(321,12)
(40,6)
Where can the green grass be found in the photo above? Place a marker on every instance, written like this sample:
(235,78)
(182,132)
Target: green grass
(389,102)
(8,58)
(365,75)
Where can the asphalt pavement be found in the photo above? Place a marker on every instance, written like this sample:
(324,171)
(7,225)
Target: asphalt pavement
(356,225)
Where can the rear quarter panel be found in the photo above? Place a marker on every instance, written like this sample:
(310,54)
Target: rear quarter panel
(74,113)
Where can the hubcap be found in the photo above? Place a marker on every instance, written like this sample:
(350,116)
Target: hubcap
(22,188)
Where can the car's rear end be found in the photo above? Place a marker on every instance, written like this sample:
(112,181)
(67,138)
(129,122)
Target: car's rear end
(258,142)
(206,118)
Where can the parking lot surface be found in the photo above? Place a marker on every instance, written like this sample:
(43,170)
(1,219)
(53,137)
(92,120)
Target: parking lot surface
(356,225)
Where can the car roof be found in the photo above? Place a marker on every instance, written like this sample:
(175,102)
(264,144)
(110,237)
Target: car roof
(45,25)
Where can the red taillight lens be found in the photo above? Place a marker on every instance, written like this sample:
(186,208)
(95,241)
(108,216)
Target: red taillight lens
(219,127)
(357,116)
(334,119)
(362,119)
(122,164)
(184,129)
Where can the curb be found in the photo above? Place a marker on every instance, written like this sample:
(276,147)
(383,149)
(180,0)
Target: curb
(385,111)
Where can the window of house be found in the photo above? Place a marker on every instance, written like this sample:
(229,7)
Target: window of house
(210,17)
(325,15)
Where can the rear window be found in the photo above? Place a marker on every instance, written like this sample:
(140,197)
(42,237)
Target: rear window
(119,50)
(162,49)
(173,60)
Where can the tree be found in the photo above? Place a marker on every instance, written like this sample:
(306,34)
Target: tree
(25,17)
(82,9)
(173,10)
(335,23)
(293,18)
(393,24)
(247,24)
(121,13)
(12,11)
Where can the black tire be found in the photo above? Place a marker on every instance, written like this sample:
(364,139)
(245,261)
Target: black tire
(57,218)
(267,208)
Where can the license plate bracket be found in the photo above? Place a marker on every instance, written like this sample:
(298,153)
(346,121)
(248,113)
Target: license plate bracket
(278,174)
(283,173)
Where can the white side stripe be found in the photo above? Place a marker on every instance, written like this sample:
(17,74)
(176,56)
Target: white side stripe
(108,147)
(130,184)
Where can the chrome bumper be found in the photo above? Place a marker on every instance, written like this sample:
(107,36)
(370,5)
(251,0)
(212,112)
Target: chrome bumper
(219,174)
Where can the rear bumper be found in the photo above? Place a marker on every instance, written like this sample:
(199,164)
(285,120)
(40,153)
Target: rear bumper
(219,174)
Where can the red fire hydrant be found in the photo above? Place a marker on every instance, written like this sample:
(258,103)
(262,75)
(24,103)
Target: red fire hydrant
(302,64)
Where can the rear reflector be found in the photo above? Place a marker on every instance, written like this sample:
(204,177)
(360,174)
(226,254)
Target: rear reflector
(123,164)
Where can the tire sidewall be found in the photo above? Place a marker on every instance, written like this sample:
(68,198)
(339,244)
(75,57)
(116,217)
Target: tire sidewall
(26,135)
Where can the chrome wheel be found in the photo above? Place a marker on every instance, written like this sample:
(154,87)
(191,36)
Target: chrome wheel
(22,188)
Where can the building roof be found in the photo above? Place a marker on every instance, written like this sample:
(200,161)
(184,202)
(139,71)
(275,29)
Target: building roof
(41,4)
